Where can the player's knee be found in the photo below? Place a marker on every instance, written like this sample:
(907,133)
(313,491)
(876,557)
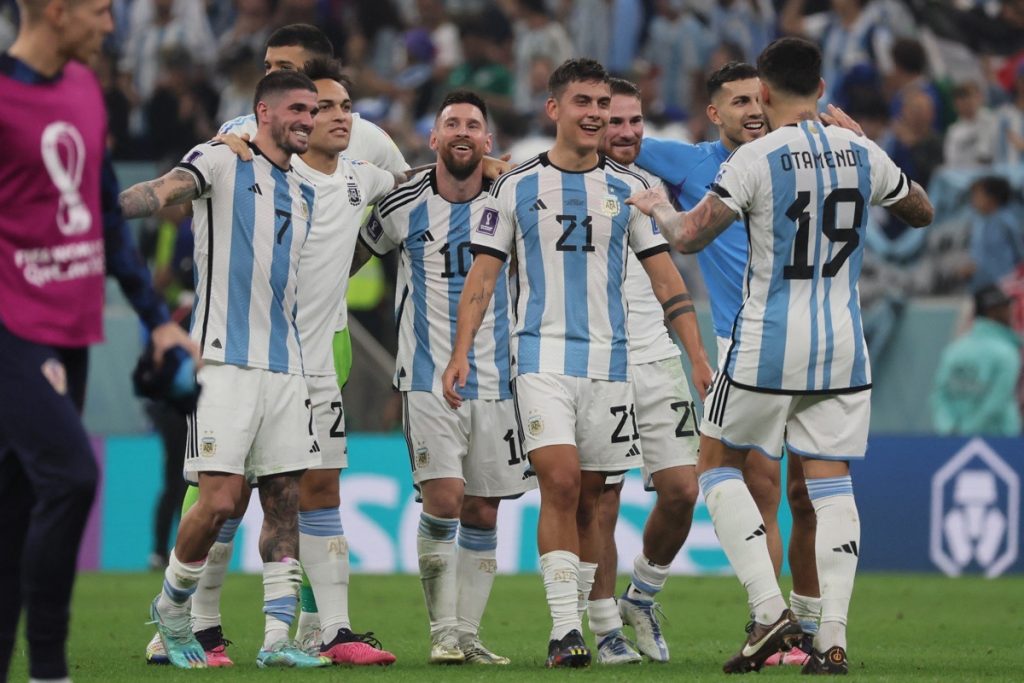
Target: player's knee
(442,501)
(319,489)
(765,492)
(561,488)
(481,513)
(678,496)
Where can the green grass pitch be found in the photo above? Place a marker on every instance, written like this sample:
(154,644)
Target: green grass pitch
(902,628)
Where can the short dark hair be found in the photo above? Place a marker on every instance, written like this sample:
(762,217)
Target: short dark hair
(308,37)
(463,97)
(575,71)
(327,68)
(791,65)
(281,81)
(909,55)
(733,71)
(996,187)
(620,86)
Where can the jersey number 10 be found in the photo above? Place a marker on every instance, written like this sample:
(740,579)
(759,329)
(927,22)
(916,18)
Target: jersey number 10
(800,268)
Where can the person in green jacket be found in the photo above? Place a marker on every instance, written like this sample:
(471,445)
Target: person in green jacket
(975,384)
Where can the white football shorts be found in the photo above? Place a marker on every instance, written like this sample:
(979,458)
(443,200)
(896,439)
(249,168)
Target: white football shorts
(666,416)
(597,416)
(329,420)
(478,443)
(250,422)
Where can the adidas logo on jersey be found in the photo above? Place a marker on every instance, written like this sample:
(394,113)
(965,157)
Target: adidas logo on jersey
(633,450)
(538,205)
(315,448)
(759,531)
(848,548)
(426,236)
(255,188)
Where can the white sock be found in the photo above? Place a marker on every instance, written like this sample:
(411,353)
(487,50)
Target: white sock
(307,623)
(837,548)
(740,530)
(648,579)
(561,572)
(435,547)
(588,570)
(807,610)
(180,581)
(206,601)
(324,552)
(476,565)
(281,581)
(604,618)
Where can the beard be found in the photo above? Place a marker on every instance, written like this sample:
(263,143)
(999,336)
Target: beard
(458,169)
(280,133)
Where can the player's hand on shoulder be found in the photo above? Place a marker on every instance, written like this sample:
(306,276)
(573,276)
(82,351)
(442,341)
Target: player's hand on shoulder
(453,379)
(646,200)
(494,168)
(237,144)
(834,116)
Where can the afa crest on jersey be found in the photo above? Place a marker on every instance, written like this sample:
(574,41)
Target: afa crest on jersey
(610,205)
(353,194)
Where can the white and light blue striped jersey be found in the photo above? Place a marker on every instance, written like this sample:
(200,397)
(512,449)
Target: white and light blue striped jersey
(649,340)
(570,233)
(804,192)
(250,222)
(367,142)
(1010,119)
(342,199)
(433,236)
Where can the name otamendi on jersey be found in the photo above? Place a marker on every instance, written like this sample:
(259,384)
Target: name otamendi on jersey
(804,192)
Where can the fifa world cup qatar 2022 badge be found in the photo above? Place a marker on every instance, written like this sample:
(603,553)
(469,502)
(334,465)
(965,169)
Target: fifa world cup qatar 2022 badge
(488,222)
(63,152)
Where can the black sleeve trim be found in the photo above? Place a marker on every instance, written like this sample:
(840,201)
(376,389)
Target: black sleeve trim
(899,186)
(475,249)
(720,191)
(203,185)
(369,247)
(647,253)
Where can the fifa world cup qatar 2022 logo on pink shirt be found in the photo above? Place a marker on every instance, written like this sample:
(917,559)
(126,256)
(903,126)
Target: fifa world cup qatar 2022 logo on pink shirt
(64,156)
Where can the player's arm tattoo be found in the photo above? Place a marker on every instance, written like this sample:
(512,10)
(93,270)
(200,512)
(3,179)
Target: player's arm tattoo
(476,297)
(693,230)
(678,305)
(279,495)
(145,199)
(915,209)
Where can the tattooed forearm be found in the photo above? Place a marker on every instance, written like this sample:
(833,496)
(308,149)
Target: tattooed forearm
(703,224)
(139,200)
(915,209)
(145,199)
(279,495)
(678,305)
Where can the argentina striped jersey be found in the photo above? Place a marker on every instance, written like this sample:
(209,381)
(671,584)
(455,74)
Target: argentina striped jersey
(804,192)
(570,233)
(432,235)
(250,222)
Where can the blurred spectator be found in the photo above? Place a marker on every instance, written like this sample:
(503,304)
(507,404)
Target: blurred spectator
(444,36)
(677,45)
(974,391)
(182,108)
(1011,125)
(119,108)
(251,28)
(910,72)
(970,142)
(997,241)
(480,70)
(538,40)
(852,34)
(747,23)
(916,147)
(240,64)
(158,25)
